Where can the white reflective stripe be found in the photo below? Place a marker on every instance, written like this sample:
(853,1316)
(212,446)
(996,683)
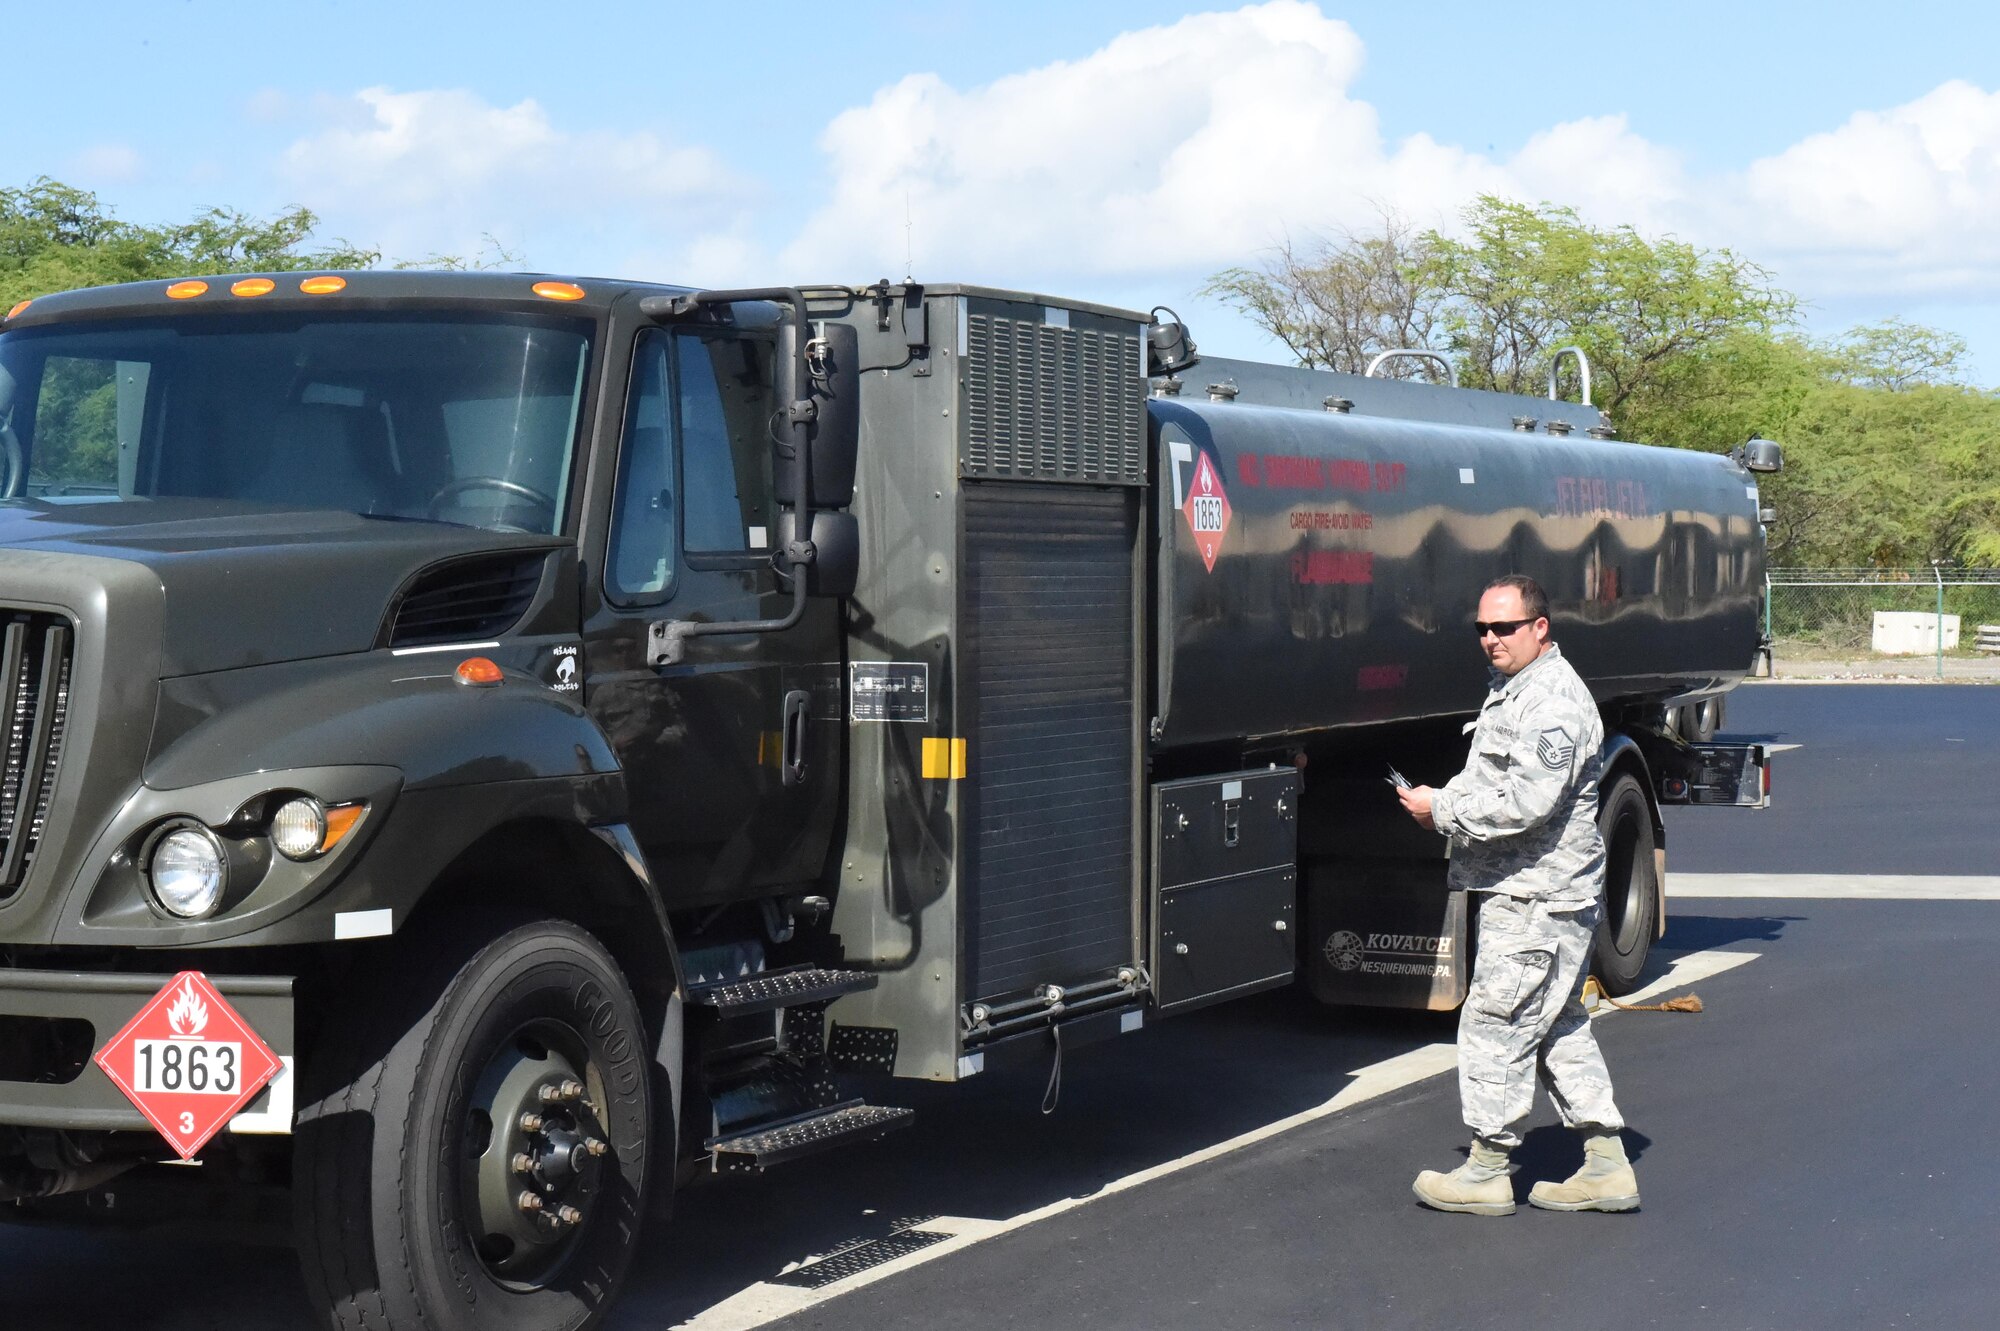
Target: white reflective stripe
(277,1118)
(969,1064)
(1465,475)
(364,923)
(1130,1021)
(442,647)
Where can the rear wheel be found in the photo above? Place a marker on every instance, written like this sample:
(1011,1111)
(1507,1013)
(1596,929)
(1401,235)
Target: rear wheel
(1631,886)
(480,1158)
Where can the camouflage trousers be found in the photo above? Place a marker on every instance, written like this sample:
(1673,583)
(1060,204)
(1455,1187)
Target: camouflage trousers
(1523,1020)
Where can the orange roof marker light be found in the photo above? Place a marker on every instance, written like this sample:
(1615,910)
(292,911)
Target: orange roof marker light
(477,670)
(323,286)
(558,290)
(253,286)
(22,306)
(186,290)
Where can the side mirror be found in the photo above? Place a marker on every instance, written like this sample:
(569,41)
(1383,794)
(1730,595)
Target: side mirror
(836,539)
(833,386)
(1763,455)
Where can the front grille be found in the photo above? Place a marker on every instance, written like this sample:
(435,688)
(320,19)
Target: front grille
(466,599)
(1053,404)
(36,654)
(1047,634)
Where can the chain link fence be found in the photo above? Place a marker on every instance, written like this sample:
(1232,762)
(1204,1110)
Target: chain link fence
(1869,613)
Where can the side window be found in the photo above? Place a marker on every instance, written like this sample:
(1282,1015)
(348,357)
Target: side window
(723,414)
(78,420)
(641,563)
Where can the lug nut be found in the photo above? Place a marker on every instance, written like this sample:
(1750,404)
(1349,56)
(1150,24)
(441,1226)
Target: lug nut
(567,1090)
(529,1202)
(531,1122)
(594,1146)
(569,1215)
(523,1163)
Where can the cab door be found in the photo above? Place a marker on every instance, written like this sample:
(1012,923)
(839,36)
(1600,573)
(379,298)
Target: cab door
(734,757)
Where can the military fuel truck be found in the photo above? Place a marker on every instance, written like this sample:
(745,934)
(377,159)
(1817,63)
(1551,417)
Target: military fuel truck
(484,749)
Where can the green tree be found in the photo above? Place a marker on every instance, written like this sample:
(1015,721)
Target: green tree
(54,237)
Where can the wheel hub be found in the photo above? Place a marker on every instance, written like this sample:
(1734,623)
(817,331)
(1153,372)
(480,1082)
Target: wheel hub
(534,1147)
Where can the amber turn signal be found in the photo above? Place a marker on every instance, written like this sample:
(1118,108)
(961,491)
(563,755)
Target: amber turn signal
(22,306)
(185,290)
(252,286)
(558,290)
(323,286)
(477,670)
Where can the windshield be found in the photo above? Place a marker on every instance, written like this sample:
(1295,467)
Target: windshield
(453,418)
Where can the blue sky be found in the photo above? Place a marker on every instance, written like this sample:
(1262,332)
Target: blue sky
(1111,150)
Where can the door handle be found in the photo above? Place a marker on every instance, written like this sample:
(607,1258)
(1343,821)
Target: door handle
(798,711)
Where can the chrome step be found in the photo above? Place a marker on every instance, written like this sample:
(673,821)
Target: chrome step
(769,991)
(808,1134)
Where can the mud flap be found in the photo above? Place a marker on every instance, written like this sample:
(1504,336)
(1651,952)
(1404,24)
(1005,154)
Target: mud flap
(1385,933)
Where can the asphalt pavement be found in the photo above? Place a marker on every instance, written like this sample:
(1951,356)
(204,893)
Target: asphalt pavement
(1814,1149)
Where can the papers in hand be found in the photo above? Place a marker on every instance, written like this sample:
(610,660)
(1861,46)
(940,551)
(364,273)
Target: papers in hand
(1397,779)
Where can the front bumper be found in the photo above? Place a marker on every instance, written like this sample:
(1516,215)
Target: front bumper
(40,1085)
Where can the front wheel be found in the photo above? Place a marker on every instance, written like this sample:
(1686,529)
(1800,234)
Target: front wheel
(1631,886)
(479,1162)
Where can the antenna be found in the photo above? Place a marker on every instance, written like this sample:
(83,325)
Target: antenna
(909,242)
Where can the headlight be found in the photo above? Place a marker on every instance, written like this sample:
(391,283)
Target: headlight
(187,872)
(298,829)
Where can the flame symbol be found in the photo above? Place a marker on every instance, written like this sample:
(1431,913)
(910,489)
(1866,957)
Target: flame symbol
(189,1015)
(1207,478)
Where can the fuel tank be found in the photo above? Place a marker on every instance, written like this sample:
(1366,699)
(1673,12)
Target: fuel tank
(1320,569)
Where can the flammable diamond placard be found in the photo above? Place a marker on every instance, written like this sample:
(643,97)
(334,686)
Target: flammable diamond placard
(1207,510)
(188,1061)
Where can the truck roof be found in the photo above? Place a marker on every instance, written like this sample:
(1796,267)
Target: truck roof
(350,288)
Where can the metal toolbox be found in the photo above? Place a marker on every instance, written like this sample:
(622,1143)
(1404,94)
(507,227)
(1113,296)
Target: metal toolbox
(1224,885)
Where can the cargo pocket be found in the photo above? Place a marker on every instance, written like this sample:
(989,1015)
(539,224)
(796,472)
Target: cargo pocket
(1517,986)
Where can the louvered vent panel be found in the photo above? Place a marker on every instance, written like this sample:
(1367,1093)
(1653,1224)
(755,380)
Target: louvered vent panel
(466,600)
(1046,629)
(36,655)
(1053,404)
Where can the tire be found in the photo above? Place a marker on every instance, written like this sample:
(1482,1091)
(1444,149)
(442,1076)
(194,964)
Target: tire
(1631,887)
(405,1193)
(1705,718)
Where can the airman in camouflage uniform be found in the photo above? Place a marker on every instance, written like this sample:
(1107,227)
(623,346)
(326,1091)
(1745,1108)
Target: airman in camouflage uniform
(1522,818)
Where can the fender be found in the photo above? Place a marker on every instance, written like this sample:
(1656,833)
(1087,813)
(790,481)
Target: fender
(439,764)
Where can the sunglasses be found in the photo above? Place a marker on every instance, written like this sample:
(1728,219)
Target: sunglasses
(1501,628)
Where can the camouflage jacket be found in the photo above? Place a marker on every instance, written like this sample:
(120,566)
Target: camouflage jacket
(1522,816)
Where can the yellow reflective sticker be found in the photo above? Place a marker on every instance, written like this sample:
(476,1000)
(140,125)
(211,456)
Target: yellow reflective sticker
(944,759)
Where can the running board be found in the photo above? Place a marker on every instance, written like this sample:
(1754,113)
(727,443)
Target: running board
(779,1143)
(772,990)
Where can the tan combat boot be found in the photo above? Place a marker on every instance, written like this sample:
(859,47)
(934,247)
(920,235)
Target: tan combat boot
(1481,1186)
(1605,1183)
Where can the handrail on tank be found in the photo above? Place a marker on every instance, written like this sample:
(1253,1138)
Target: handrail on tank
(1450,372)
(1582,370)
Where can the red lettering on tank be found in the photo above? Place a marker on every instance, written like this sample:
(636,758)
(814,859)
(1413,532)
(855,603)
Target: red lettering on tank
(1389,476)
(1375,678)
(1319,568)
(1349,474)
(1601,497)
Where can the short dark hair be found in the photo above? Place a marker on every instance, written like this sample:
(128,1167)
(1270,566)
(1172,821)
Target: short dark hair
(1533,599)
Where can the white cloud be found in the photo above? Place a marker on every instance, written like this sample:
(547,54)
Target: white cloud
(436,170)
(106,164)
(1197,142)
(1147,164)
(1902,199)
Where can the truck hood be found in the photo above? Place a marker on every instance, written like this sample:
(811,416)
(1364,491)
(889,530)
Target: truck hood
(249,585)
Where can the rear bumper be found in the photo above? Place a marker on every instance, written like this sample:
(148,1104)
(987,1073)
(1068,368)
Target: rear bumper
(35,1059)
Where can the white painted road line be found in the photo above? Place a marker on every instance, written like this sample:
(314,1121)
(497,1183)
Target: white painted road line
(763,1303)
(1833,886)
